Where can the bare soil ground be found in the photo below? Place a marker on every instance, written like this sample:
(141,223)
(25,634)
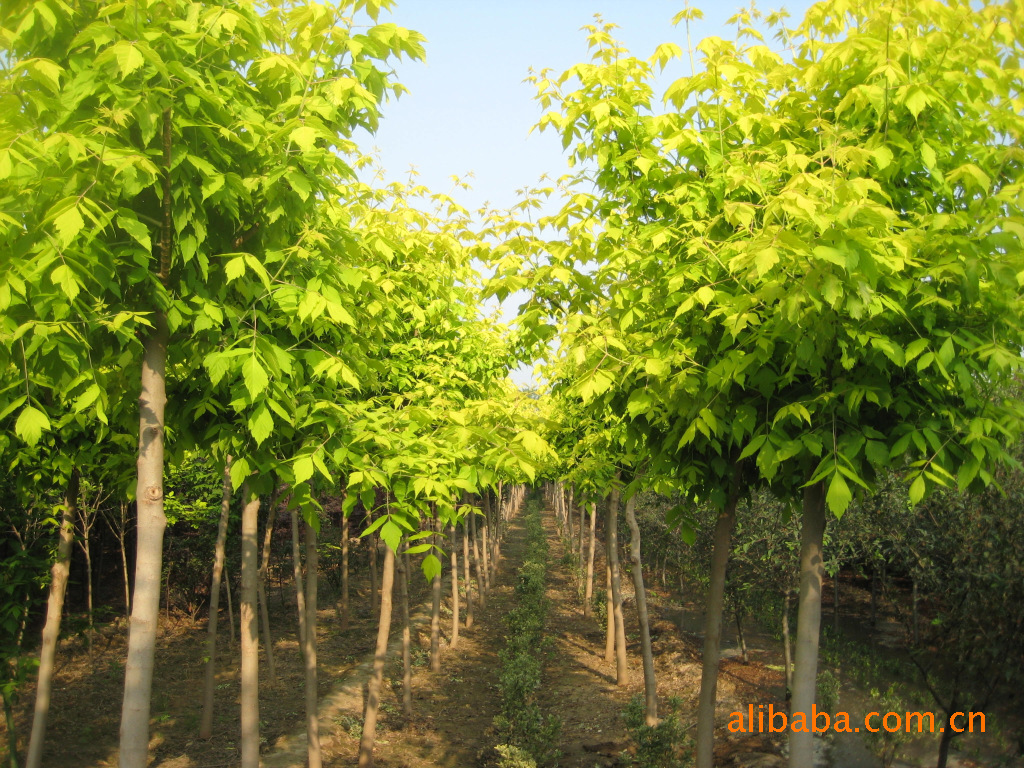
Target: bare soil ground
(452,724)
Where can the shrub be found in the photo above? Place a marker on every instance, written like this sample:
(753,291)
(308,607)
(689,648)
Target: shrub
(664,745)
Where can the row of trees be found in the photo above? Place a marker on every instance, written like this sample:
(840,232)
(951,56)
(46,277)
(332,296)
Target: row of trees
(182,222)
(803,276)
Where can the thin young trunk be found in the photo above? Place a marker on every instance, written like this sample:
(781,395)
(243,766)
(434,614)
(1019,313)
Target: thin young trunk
(87,518)
(124,561)
(466,579)
(374,580)
(650,681)
(51,629)
(12,728)
(344,572)
(481,593)
(435,611)
(250,673)
(403,585)
(583,527)
(612,533)
(369,735)
(713,635)
(808,621)
(588,593)
(314,759)
(609,607)
(261,589)
(210,678)
(455,592)
(231,610)
(740,636)
(786,645)
(568,517)
(485,530)
(149,549)
(300,593)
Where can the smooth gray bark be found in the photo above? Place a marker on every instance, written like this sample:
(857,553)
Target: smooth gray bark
(808,622)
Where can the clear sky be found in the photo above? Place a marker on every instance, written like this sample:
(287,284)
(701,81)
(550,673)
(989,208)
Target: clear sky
(469,110)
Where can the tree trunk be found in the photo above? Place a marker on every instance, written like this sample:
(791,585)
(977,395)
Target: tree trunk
(808,622)
(739,635)
(612,533)
(609,606)
(149,549)
(369,735)
(466,576)
(944,743)
(210,678)
(344,572)
(786,645)
(261,589)
(250,673)
(485,530)
(374,579)
(588,593)
(231,611)
(435,610)
(314,759)
(87,518)
(300,592)
(124,561)
(481,594)
(51,629)
(455,592)
(403,586)
(583,515)
(713,635)
(12,728)
(650,682)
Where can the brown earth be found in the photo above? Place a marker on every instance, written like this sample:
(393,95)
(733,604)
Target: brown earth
(452,725)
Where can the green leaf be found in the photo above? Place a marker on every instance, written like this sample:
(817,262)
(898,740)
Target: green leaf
(374,525)
(235,268)
(261,424)
(68,225)
(655,366)
(753,446)
(838,496)
(138,231)
(31,424)
(129,58)
(303,468)
(255,377)
(917,489)
(391,534)
(431,567)
(765,260)
(304,138)
(239,472)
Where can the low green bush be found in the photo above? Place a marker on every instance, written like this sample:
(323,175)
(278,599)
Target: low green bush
(664,745)
(528,734)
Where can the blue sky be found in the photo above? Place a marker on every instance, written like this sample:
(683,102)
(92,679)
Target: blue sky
(469,110)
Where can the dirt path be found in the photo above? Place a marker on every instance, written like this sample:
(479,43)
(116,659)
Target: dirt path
(453,710)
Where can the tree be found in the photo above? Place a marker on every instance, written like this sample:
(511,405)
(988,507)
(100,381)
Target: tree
(812,261)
